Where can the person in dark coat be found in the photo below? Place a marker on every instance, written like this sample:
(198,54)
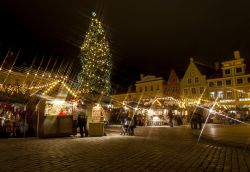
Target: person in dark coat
(194,121)
(171,118)
(82,123)
(199,120)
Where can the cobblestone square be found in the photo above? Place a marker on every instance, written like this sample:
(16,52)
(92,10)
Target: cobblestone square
(152,149)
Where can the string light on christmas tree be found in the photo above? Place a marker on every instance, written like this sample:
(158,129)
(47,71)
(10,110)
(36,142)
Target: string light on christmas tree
(95,58)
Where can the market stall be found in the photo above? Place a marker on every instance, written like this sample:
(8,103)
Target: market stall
(55,118)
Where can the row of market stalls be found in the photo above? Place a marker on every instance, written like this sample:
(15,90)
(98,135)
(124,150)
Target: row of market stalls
(49,109)
(47,117)
(155,111)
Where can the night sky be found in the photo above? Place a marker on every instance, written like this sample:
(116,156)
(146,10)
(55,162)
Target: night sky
(146,36)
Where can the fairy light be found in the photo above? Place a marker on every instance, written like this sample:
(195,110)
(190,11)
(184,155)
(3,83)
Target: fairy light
(69,90)
(50,87)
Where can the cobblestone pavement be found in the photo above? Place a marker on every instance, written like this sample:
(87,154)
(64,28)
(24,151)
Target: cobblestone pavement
(152,149)
(235,135)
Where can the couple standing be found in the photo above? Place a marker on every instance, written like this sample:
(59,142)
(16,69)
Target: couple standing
(82,123)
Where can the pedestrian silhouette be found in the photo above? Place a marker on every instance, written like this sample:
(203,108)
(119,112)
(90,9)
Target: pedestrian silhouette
(82,123)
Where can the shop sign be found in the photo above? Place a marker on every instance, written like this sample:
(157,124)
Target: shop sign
(57,107)
(97,114)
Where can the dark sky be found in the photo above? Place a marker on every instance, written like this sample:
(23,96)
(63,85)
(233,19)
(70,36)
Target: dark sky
(146,36)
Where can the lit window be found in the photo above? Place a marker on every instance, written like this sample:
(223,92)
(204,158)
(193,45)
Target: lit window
(211,95)
(240,94)
(220,94)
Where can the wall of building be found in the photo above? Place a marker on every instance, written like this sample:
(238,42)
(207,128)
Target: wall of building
(193,84)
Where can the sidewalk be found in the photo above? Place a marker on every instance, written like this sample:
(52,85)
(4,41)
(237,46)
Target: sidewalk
(232,135)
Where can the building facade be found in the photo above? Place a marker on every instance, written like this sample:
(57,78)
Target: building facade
(193,84)
(148,86)
(232,85)
(173,85)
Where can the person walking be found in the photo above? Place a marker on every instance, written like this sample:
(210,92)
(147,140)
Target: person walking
(171,118)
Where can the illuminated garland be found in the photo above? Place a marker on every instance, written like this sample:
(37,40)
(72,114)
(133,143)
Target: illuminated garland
(13,89)
(25,90)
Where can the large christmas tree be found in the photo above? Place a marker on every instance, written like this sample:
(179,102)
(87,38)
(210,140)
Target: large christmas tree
(95,60)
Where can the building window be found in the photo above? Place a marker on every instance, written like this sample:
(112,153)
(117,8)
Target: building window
(146,88)
(239,81)
(238,70)
(152,88)
(189,80)
(248,79)
(219,83)
(185,92)
(140,89)
(240,94)
(220,94)
(227,72)
(211,84)
(211,95)
(193,91)
(157,87)
(228,82)
(196,80)
(229,95)
(201,90)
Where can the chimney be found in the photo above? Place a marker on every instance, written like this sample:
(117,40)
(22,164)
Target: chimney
(217,66)
(237,54)
(141,76)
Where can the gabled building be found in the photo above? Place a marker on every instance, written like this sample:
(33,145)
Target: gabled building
(231,83)
(172,88)
(194,83)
